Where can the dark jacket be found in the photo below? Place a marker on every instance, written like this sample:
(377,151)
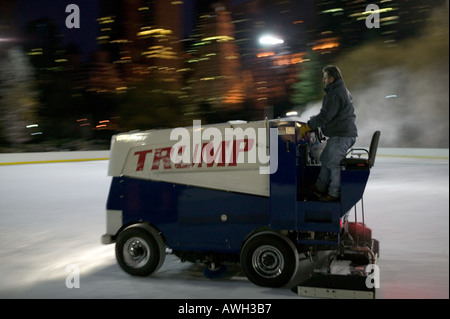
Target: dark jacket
(336,117)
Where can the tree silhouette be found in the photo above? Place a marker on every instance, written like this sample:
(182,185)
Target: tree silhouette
(149,105)
(18,98)
(308,88)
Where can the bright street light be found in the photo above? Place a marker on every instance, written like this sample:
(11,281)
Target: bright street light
(270,40)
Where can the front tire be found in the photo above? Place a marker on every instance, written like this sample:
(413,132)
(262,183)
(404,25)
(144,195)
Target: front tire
(140,251)
(269,260)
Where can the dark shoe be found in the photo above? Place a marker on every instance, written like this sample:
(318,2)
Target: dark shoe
(328,198)
(313,189)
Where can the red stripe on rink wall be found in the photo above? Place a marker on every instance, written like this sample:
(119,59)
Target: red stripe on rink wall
(77,156)
(52,157)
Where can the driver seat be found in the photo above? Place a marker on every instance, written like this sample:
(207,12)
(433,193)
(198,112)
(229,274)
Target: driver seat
(362,163)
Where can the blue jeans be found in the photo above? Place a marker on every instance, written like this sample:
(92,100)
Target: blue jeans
(331,157)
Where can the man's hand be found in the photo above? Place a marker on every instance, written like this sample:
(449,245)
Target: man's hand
(304,129)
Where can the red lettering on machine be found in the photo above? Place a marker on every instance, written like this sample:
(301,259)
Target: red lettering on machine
(226,153)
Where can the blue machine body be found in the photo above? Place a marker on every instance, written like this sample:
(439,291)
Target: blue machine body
(197,219)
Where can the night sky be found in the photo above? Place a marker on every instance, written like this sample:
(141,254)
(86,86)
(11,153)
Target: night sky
(84,37)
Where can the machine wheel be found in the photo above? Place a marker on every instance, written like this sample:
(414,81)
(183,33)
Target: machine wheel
(269,259)
(140,251)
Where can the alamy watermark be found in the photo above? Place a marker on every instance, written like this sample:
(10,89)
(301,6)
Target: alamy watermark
(73,278)
(373,18)
(238,146)
(73,19)
(373,277)
(372,280)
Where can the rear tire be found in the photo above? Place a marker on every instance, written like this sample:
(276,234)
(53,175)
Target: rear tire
(269,259)
(140,250)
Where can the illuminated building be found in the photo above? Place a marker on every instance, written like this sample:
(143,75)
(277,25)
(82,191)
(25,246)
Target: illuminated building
(271,70)
(344,21)
(356,13)
(44,46)
(97,76)
(216,78)
(143,38)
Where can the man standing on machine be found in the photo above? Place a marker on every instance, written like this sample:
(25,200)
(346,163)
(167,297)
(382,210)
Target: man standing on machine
(337,121)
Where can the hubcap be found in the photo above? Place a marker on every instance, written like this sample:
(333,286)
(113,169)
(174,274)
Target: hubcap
(268,261)
(136,252)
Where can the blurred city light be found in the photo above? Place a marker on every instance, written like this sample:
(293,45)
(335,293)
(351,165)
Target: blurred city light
(164,63)
(270,40)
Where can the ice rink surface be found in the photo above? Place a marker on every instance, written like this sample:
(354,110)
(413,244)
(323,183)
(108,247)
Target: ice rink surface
(52,217)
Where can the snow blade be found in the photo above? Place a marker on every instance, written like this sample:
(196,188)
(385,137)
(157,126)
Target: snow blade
(333,286)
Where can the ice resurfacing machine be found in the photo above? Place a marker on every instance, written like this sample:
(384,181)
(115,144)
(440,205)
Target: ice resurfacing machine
(237,192)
